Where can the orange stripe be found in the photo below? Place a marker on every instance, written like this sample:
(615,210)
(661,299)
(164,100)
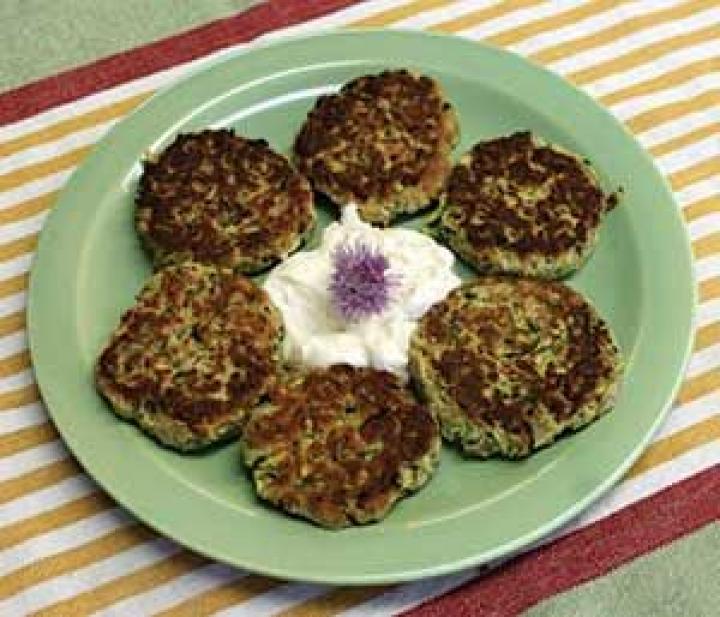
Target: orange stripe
(709,289)
(700,385)
(13,285)
(398,13)
(696,172)
(14,364)
(73,125)
(224,596)
(124,586)
(682,141)
(707,245)
(73,559)
(38,479)
(11,323)
(66,514)
(702,208)
(334,602)
(45,168)
(612,33)
(463,22)
(26,209)
(644,54)
(18,398)
(551,22)
(707,335)
(17,441)
(677,444)
(662,82)
(671,111)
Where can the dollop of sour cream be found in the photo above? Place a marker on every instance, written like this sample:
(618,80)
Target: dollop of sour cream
(317,336)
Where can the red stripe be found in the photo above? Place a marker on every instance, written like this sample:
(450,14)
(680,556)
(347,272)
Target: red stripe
(585,554)
(68,86)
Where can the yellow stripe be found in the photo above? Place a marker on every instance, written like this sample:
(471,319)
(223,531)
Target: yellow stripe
(677,444)
(699,386)
(12,323)
(695,173)
(124,586)
(73,125)
(45,168)
(552,22)
(702,208)
(612,33)
(682,141)
(670,111)
(645,54)
(707,335)
(26,209)
(18,398)
(334,602)
(17,441)
(224,596)
(15,248)
(709,289)
(707,245)
(463,22)
(38,479)
(63,515)
(399,13)
(13,285)
(66,561)
(662,82)
(14,364)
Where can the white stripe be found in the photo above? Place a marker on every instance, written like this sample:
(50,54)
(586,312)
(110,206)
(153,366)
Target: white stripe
(704,225)
(678,126)
(52,149)
(23,227)
(174,592)
(586,26)
(684,416)
(655,68)
(12,420)
(45,499)
(12,304)
(689,155)
(79,581)
(707,313)
(433,17)
(703,361)
(13,343)
(522,16)
(17,265)
(29,460)
(636,40)
(34,188)
(709,187)
(272,602)
(706,268)
(641,104)
(62,539)
(17,380)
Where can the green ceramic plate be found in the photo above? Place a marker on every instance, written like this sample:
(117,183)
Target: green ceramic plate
(89,266)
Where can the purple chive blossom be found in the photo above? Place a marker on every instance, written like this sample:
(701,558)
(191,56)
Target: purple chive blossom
(360,282)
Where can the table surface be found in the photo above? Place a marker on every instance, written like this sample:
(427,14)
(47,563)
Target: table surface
(650,547)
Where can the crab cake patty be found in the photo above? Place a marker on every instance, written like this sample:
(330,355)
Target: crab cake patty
(341,445)
(382,142)
(509,364)
(514,205)
(218,198)
(193,356)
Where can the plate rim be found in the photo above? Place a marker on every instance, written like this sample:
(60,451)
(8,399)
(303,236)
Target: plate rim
(442,567)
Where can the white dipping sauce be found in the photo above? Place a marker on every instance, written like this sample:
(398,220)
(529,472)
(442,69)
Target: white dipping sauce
(315,335)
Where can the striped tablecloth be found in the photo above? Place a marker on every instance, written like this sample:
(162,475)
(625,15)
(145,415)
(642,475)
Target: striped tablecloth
(67,549)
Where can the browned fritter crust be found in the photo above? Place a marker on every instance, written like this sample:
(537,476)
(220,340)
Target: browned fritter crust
(218,198)
(191,358)
(341,445)
(383,142)
(515,205)
(509,364)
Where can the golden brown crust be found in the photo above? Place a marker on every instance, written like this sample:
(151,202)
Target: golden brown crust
(340,445)
(382,142)
(195,353)
(215,197)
